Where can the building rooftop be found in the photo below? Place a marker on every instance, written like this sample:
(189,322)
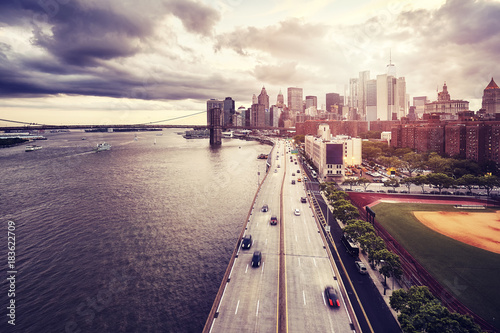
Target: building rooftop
(492,85)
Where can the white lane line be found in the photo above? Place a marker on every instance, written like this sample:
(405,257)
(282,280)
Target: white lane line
(246,270)
(309,238)
(324,300)
(262,268)
(296,238)
(304,296)
(257,312)
(237,305)
(314,259)
(266,241)
(299,261)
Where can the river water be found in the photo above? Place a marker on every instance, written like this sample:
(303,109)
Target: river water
(134,239)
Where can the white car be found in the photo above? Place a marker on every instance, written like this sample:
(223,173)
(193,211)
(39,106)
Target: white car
(297,212)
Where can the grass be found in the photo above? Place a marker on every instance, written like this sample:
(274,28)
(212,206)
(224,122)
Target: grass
(471,274)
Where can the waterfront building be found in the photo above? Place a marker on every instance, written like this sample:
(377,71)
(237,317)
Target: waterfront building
(491,98)
(331,155)
(445,104)
(258,115)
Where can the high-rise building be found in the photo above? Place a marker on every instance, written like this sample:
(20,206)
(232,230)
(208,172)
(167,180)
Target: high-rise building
(280,101)
(263,98)
(419,104)
(311,101)
(391,97)
(254,99)
(213,104)
(353,93)
(491,98)
(229,111)
(371,100)
(333,99)
(362,87)
(294,101)
(258,115)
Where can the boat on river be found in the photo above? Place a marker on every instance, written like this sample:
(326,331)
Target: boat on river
(32,148)
(102,147)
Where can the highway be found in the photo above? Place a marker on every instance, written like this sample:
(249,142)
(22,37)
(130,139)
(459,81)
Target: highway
(251,297)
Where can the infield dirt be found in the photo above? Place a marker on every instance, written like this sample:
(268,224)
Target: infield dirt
(481,230)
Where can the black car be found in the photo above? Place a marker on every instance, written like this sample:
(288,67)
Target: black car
(246,243)
(331,297)
(274,220)
(293,182)
(264,208)
(256,259)
(303,200)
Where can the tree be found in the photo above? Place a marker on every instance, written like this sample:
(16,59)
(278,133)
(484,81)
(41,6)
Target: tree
(299,139)
(438,164)
(393,182)
(350,182)
(468,181)
(357,228)
(371,243)
(440,180)
(420,311)
(390,162)
(365,182)
(344,210)
(411,162)
(489,182)
(408,181)
(391,266)
(420,181)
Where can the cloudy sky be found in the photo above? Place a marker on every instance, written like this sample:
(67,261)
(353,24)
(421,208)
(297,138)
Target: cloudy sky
(127,61)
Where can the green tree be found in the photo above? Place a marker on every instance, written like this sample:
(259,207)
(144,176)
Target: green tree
(357,228)
(411,162)
(408,181)
(468,181)
(350,182)
(393,182)
(420,311)
(391,266)
(440,180)
(489,182)
(371,243)
(438,164)
(299,139)
(344,210)
(420,181)
(365,182)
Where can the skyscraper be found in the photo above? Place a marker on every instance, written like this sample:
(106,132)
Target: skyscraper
(491,98)
(311,101)
(371,100)
(333,99)
(229,111)
(280,101)
(362,82)
(353,93)
(263,98)
(294,101)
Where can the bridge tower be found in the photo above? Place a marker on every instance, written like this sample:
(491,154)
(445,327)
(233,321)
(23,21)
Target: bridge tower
(215,125)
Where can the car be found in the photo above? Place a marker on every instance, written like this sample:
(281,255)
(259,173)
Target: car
(246,242)
(305,178)
(370,191)
(299,180)
(298,170)
(293,181)
(279,166)
(295,162)
(297,212)
(380,191)
(264,208)
(293,174)
(274,220)
(331,297)
(303,199)
(256,259)
(275,170)
(360,266)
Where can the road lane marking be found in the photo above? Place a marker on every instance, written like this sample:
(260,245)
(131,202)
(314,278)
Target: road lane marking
(324,300)
(314,260)
(309,238)
(237,305)
(304,296)
(299,260)
(246,270)
(266,241)
(263,268)
(257,312)
(296,238)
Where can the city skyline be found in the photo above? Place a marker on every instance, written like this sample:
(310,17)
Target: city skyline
(105,62)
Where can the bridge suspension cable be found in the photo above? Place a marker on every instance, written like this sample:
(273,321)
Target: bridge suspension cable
(161,121)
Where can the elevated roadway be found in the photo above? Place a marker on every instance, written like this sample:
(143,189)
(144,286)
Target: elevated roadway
(286,293)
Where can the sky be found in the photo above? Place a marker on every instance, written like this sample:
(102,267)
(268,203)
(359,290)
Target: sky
(128,62)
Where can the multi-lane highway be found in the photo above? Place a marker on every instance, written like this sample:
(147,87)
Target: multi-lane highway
(284,295)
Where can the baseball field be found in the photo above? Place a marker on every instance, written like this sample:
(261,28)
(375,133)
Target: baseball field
(459,247)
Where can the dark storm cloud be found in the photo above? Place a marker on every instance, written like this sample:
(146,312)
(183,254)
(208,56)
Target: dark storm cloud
(195,17)
(87,42)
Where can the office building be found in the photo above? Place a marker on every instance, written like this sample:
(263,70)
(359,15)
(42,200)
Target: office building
(229,111)
(491,98)
(445,104)
(263,99)
(295,104)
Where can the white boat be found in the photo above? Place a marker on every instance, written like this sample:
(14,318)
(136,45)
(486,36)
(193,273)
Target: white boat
(102,146)
(32,148)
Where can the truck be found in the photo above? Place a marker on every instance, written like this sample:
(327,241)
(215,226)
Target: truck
(351,247)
